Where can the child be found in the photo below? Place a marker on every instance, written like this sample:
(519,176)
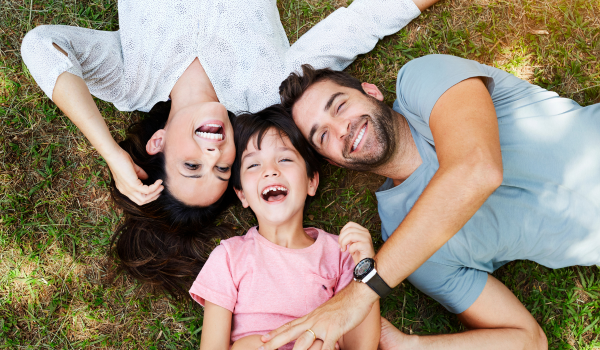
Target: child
(278,271)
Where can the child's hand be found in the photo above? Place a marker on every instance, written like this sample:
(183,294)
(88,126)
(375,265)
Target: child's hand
(357,240)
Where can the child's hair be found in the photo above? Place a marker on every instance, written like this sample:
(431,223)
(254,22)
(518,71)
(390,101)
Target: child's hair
(257,124)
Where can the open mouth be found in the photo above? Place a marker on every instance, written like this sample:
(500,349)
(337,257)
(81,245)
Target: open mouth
(274,193)
(211,131)
(359,138)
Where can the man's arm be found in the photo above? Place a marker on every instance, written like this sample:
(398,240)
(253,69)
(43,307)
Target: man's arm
(497,320)
(464,126)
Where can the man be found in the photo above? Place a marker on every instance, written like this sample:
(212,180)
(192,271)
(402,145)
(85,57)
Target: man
(483,168)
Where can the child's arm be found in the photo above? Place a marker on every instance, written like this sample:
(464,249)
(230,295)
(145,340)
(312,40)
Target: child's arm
(357,240)
(216,327)
(366,335)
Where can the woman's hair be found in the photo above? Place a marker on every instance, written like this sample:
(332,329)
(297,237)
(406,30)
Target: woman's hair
(165,242)
(249,125)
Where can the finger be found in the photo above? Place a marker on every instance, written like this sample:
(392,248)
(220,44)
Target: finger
(329,342)
(156,185)
(350,238)
(151,198)
(141,174)
(304,341)
(284,335)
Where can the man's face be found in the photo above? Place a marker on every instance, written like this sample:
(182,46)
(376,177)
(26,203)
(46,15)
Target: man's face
(351,129)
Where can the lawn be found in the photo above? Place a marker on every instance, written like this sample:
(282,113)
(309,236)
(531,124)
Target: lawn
(58,288)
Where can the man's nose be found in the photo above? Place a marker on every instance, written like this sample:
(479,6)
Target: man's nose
(342,128)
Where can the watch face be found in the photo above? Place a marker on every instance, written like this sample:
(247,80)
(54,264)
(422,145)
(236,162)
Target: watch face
(363,268)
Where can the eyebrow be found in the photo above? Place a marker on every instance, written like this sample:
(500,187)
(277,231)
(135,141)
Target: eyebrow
(331,100)
(314,128)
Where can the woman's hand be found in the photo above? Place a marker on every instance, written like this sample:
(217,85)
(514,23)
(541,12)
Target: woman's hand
(128,179)
(357,240)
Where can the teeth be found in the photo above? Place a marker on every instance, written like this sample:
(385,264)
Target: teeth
(360,136)
(208,135)
(215,125)
(274,188)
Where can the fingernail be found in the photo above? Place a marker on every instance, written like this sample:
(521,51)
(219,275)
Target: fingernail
(266,336)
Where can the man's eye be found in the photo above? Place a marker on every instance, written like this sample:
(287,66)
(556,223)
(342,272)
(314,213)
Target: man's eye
(222,169)
(340,106)
(323,136)
(191,166)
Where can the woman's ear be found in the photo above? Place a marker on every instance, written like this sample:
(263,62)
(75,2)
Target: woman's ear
(156,143)
(313,184)
(372,90)
(240,194)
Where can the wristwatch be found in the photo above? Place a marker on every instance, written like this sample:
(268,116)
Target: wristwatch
(365,272)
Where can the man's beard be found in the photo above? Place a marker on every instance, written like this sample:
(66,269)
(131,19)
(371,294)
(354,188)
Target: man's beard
(384,127)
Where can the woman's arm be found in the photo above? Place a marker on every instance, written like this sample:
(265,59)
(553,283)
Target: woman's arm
(72,96)
(216,327)
(337,40)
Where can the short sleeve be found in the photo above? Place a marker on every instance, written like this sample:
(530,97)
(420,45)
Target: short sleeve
(346,271)
(214,282)
(456,288)
(422,81)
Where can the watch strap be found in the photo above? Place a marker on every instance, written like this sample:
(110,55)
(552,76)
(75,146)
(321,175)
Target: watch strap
(379,286)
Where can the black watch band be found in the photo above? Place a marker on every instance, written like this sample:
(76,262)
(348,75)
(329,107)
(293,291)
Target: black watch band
(379,286)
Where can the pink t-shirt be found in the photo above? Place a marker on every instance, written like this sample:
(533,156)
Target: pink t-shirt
(265,285)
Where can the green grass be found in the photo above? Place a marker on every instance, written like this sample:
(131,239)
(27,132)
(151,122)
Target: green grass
(59,290)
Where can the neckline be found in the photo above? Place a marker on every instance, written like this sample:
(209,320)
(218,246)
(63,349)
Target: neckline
(311,231)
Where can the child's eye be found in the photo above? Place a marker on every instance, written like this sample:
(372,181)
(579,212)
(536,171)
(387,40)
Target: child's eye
(252,166)
(285,160)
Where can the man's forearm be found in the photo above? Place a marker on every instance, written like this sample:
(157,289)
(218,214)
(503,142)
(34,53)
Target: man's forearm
(447,203)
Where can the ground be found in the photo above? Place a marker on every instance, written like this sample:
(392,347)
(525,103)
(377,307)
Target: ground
(58,289)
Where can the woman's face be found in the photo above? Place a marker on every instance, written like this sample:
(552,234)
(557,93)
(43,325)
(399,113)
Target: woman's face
(199,151)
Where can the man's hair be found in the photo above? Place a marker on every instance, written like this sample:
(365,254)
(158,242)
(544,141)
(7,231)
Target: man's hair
(294,86)
(249,125)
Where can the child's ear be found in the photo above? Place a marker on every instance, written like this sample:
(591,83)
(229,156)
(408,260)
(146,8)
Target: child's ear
(156,143)
(313,184)
(240,194)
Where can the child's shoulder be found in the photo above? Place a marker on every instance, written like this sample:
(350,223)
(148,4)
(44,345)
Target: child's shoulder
(238,242)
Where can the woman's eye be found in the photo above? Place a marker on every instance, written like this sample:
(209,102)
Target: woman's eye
(323,136)
(191,166)
(222,169)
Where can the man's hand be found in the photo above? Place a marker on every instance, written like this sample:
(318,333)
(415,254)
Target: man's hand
(357,240)
(127,177)
(329,321)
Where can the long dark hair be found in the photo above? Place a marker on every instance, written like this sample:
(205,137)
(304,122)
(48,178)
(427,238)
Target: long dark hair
(164,243)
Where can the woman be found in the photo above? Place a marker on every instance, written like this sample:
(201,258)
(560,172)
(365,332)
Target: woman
(209,57)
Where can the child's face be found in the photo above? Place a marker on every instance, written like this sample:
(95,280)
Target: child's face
(274,180)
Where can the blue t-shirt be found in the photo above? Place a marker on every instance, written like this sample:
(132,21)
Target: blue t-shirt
(548,207)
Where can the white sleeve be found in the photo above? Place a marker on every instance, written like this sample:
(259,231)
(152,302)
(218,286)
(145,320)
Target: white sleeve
(348,32)
(93,55)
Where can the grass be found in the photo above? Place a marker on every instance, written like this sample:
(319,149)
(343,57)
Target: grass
(58,289)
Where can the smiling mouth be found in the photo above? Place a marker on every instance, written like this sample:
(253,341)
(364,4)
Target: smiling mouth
(359,137)
(211,131)
(274,193)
